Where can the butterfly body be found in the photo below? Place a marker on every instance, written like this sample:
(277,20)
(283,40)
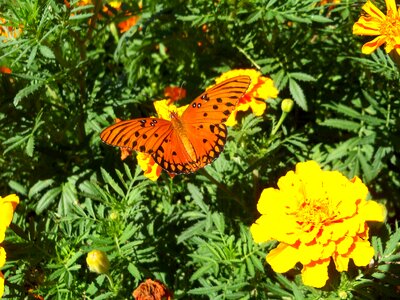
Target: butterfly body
(188,142)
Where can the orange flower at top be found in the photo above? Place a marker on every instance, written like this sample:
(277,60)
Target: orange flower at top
(7,208)
(8,32)
(260,89)
(385,27)
(321,215)
(174,93)
(152,290)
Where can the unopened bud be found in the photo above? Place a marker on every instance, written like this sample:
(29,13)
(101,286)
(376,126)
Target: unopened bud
(287,105)
(98,262)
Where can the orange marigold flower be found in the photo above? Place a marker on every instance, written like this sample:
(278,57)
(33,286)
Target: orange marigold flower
(260,89)
(152,290)
(8,32)
(128,23)
(174,93)
(385,27)
(7,208)
(5,70)
(322,215)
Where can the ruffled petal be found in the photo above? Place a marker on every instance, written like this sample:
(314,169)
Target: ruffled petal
(283,258)
(315,274)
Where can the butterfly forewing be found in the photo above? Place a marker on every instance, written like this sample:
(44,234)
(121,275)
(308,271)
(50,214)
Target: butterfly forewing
(144,135)
(216,104)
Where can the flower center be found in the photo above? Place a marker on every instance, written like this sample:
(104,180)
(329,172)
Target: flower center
(391,27)
(314,212)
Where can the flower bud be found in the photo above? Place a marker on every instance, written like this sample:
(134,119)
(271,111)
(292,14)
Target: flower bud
(98,262)
(287,105)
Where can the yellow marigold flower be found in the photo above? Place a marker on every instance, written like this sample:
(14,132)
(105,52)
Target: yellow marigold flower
(260,89)
(385,27)
(98,262)
(7,208)
(152,290)
(321,215)
(150,168)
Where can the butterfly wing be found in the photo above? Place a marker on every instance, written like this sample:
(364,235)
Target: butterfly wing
(204,118)
(216,104)
(144,135)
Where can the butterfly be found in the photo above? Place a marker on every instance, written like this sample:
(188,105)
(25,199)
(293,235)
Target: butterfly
(188,142)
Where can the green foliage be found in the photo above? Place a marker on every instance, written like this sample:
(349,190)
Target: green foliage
(73,73)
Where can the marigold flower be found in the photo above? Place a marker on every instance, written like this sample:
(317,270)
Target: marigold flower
(125,25)
(7,208)
(174,93)
(260,89)
(98,262)
(5,70)
(375,23)
(321,215)
(152,290)
(8,32)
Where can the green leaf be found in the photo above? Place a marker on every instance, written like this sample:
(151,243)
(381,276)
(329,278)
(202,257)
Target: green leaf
(342,124)
(39,186)
(109,180)
(301,76)
(27,91)
(46,51)
(297,93)
(16,186)
(30,146)
(48,198)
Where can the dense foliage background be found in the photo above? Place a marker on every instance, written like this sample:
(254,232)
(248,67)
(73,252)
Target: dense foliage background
(74,72)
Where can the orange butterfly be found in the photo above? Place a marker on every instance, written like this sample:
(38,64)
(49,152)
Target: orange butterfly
(187,143)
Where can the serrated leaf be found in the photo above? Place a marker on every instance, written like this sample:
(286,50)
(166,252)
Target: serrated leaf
(30,145)
(297,93)
(302,76)
(26,92)
(48,198)
(342,124)
(46,51)
(110,181)
(39,186)
(16,186)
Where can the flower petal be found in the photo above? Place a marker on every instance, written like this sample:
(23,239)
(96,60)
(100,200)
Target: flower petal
(315,274)
(362,253)
(371,46)
(283,258)
(373,11)
(367,26)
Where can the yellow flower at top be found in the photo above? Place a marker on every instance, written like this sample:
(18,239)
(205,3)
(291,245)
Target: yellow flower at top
(7,208)
(316,216)
(385,27)
(260,89)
